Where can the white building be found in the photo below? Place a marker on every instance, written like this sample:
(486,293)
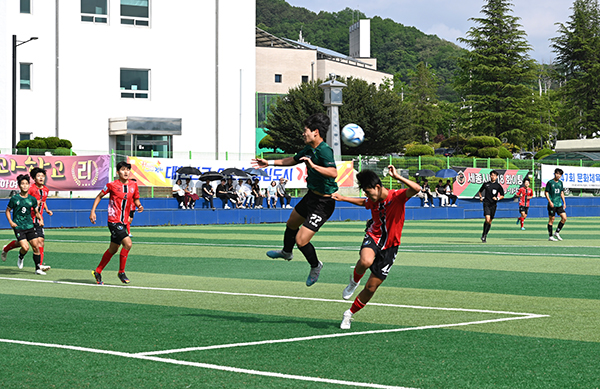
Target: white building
(165,77)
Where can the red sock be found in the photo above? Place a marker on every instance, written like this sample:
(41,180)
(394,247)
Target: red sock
(105,260)
(12,245)
(522,221)
(128,228)
(123,260)
(41,255)
(357,276)
(357,306)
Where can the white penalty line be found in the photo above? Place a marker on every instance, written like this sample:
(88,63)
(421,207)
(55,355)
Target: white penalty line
(204,365)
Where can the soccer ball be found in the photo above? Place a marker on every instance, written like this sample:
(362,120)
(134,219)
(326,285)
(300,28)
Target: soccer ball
(352,135)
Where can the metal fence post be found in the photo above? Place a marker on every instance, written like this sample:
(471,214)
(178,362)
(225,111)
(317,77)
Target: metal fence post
(419,162)
(360,163)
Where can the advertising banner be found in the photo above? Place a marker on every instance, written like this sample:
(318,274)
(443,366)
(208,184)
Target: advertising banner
(162,171)
(62,173)
(574,176)
(469,180)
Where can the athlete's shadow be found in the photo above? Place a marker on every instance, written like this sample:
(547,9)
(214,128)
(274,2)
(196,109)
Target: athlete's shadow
(257,320)
(10,271)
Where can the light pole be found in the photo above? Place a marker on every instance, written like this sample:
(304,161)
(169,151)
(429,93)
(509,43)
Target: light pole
(15,44)
(333,100)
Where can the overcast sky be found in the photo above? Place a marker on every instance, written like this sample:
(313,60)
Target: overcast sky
(448,19)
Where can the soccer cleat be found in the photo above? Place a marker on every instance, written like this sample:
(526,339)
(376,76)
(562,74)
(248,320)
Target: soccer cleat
(346,321)
(44,267)
(4,254)
(484,239)
(40,272)
(20,262)
(523,228)
(123,278)
(553,239)
(557,236)
(518,221)
(280,254)
(313,276)
(98,277)
(349,290)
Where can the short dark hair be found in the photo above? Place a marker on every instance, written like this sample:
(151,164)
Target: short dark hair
(368,179)
(22,177)
(527,179)
(318,121)
(123,164)
(494,172)
(34,172)
(558,170)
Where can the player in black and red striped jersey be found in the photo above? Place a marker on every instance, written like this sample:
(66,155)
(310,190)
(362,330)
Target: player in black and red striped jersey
(524,194)
(40,192)
(123,193)
(380,245)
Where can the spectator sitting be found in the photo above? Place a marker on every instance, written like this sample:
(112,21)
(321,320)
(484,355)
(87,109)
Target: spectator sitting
(208,193)
(440,189)
(179,193)
(258,197)
(190,193)
(271,193)
(282,194)
(426,194)
(232,190)
(223,194)
(246,188)
(450,193)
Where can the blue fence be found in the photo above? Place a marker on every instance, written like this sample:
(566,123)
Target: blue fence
(75,212)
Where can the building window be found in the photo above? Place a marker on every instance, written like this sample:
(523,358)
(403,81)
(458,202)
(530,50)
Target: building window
(278,78)
(95,11)
(135,12)
(304,79)
(25,75)
(24,136)
(134,83)
(25,6)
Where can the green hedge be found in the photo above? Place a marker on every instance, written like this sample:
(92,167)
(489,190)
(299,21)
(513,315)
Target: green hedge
(488,152)
(417,150)
(504,153)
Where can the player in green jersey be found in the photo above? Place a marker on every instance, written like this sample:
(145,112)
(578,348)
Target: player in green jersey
(555,195)
(22,205)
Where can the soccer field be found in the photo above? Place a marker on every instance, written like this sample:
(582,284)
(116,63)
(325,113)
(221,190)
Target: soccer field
(206,308)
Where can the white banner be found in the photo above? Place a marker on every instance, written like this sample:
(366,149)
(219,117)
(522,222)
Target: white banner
(574,176)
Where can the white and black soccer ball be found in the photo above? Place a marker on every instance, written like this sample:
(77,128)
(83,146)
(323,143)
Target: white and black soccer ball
(352,135)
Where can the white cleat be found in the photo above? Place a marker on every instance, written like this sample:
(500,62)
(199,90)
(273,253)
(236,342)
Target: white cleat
(552,239)
(349,290)
(20,262)
(425,205)
(44,267)
(346,321)
(4,254)
(40,272)
(557,236)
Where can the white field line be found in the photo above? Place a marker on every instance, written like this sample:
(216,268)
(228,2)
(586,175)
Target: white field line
(205,365)
(356,248)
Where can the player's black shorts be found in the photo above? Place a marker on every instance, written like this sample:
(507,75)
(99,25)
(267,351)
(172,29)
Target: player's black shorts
(118,232)
(489,209)
(384,259)
(553,211)
(315,209)
(29,234)
(39,230)
(523,209)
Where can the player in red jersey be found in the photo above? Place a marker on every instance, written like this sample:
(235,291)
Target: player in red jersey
(123,192)
(525,193)
(380,245)
(40,192)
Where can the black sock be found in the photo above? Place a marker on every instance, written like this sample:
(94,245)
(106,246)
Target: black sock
(560,226)
(36,260)
(289,239)
(486,228)
(310,254)
(550,229)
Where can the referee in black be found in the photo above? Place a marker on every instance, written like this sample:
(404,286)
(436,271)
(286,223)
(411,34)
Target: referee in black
(490,193)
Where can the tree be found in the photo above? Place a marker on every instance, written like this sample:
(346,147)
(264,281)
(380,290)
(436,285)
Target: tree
(496,79)
(426,115)
(378,111)
(578,61)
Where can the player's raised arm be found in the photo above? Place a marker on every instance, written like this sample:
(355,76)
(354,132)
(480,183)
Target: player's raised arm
(352,200)
(262,163)
(413,187)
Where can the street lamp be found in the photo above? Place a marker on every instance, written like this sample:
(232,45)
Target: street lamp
(333,100)
(15,44)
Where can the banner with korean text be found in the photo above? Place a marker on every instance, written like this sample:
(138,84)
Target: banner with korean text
(162,171)
(469,180)
(574,177)
(62,173)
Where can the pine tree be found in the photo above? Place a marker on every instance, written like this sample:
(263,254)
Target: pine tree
(422,100)
(497,78)
(578,61)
